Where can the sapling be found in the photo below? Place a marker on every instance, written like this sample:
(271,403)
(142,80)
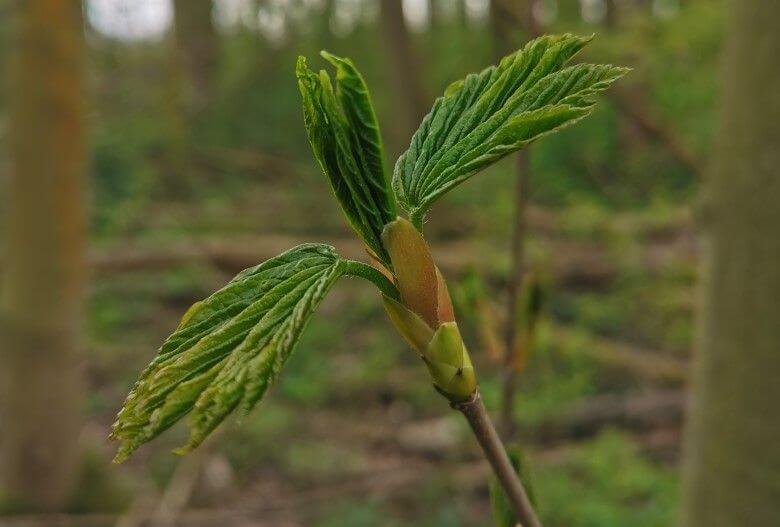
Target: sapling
(230,347)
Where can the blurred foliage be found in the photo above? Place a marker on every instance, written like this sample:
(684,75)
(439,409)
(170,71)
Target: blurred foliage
(606,483)
(675,60)
(161,174)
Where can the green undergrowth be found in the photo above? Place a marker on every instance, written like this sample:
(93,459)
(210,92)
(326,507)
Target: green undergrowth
(606,483)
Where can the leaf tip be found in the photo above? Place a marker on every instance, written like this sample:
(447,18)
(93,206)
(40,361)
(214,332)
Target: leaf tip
(330,57)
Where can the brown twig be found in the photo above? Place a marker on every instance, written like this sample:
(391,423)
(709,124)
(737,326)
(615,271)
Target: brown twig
(480,423)
(179,490)
(517,252)
(505,15)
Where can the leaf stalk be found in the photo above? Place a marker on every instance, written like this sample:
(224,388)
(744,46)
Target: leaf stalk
(373,275)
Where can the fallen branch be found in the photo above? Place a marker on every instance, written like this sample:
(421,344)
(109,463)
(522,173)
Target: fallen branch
(659,409)
(650,365)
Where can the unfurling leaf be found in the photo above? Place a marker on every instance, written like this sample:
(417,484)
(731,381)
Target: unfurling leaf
(344,135)
(229,348)
(487,115)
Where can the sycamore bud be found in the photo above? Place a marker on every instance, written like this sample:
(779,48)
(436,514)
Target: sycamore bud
(424,316)
(449,363)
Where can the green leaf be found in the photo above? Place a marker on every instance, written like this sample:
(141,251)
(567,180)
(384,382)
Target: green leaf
(487,115)
(503,514)
(229,348)
(344,135)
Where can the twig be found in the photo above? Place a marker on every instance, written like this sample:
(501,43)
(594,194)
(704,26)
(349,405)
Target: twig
(503,14)
(480,423)
(174,500)
(513,293)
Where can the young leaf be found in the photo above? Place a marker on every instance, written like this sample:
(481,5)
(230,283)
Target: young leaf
(487,115)
(344,135)
(229,348)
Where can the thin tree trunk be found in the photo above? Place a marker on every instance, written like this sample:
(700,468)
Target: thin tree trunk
(732,474)
(44,270)
(502,24)
(569,11)
(514,283)
(610,14)
(198,48)
(191,77)
(406,73)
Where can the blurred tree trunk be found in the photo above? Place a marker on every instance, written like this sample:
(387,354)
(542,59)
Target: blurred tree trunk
(44,257)
(433,15)
(406,72)
(569,11)
(610,14)
(461,18)
(506,38)
(733,459)
(189,91)
(325,35)
(513,24)
(198,47)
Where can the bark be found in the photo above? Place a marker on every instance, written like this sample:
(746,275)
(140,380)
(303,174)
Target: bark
(732,474)
(44,268)
(406,71)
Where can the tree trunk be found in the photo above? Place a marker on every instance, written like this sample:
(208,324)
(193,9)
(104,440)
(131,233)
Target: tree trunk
(198,47)
(406,74)
(610,14)
(732,474)
(502,25)
(44,271)
(569,11)
(194,61)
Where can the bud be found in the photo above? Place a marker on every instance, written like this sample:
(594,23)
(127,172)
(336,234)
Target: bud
(425,316)
(449,363)
(414,269)
(416,332)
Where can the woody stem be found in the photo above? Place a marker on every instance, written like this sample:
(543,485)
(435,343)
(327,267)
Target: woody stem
(480,423)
